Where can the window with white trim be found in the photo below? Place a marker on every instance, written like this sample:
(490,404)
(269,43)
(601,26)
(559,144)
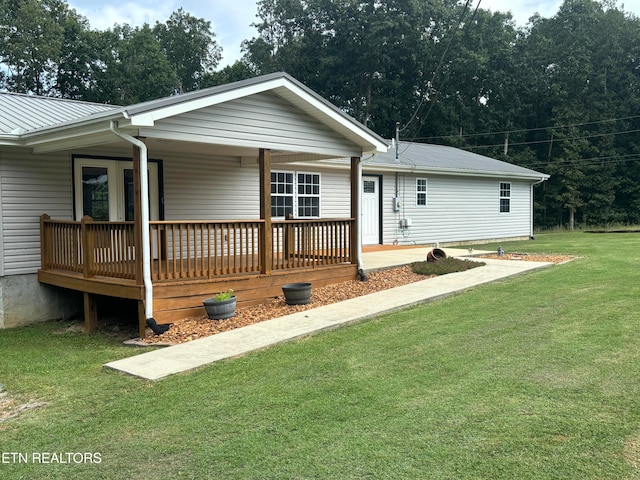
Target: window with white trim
(421,192)
(281,194)
(505,197)
(295,193)
(308,195)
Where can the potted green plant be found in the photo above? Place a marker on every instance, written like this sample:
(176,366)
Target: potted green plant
(221,305)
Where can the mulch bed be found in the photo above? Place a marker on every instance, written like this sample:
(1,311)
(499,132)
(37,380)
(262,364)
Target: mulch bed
(198,327)
(526,257)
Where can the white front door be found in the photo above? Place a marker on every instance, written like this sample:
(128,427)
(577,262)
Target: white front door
(370,210)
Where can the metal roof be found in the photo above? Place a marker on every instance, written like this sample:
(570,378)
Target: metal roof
(449,160)
(20,113)
(52,123)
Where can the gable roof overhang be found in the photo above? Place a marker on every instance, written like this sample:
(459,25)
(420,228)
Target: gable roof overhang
(441,160)
(141,120)
(435,159)
(457,172)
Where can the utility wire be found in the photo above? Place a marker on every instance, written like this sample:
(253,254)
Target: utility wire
(437,70)
(525,130)
(609,160)
(555,140)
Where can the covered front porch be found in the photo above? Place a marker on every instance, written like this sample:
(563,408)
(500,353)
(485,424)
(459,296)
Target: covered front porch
(243,159)
(170,266)
(193,261)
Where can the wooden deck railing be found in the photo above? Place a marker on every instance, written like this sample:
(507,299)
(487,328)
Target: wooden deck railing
(93,248)
(192,249)
(205,249)
(309,243)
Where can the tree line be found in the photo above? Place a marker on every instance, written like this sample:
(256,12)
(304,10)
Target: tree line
(560,95)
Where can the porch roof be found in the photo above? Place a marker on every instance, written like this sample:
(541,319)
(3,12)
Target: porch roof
(67,124)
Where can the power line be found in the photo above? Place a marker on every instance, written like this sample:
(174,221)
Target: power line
(611,159)
(526,130)
(441,61)
(555,140)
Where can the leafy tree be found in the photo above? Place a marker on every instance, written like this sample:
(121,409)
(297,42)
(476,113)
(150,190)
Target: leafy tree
(580,79)
(135,67)
(78,58)
(30,44)
(231,73)
(189,45)
(365,57)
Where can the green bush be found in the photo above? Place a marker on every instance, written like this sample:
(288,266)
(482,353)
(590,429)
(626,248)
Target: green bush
(444,266)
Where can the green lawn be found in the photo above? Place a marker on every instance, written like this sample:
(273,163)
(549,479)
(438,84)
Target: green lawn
(536,377)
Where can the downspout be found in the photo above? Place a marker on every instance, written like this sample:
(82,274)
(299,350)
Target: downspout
(531,236)
(144,193)
(359,217)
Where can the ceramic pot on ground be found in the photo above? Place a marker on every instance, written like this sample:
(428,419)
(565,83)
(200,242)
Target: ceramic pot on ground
(220,309)
(297,293)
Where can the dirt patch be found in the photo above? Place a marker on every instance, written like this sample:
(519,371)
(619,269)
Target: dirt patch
(10,408)
(631,452)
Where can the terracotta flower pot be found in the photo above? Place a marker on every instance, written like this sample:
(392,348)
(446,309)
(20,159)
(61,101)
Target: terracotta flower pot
(435,255)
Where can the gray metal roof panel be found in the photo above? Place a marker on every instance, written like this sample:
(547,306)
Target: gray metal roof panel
(29,112)
(36,114)
(440,157)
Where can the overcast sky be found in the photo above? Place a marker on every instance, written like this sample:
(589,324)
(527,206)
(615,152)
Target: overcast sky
(232,19)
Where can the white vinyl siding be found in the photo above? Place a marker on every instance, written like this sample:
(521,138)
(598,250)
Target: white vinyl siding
(259,121)
(459,209)
(31,185)
(219,189)
(205,188)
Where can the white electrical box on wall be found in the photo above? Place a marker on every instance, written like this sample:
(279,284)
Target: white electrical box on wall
(397,204)
(405,223)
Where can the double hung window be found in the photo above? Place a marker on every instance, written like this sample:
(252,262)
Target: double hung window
(295,193)
(421,192)
(505,197)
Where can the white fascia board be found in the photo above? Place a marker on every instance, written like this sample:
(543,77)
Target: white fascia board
(343,120)
(325,152)
(149,118)
(451,172)
(85,136)
(12,140)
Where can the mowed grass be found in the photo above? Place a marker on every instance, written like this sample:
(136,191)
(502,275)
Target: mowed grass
(534,377)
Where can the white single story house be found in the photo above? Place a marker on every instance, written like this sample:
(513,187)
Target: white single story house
(242,191)
(433,194)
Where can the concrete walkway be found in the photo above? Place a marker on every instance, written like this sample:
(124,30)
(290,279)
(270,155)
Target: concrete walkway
(183,357)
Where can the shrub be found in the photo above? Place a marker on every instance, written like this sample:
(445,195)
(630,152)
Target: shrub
(223,295)
(444,266)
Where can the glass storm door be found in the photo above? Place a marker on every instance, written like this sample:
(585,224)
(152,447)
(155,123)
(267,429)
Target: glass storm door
(104,189)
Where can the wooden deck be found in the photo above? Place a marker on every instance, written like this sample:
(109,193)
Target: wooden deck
(193,260)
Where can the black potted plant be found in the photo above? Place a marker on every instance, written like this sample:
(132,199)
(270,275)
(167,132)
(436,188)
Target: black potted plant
(221,306)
